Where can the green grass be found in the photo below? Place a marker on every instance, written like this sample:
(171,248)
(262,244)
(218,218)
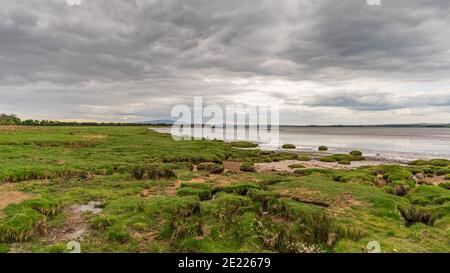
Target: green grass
(247,167)
(141,180)
(243,144)
(432,162)
(341,158)
(296,166)
(22,221)
(288,146)
(212,168)
(323,148)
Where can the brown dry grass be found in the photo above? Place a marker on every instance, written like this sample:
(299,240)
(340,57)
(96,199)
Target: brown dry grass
(232,166)
(11,197)
(17,128)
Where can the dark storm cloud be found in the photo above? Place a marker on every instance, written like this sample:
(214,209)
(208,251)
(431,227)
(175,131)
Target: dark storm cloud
(111,58)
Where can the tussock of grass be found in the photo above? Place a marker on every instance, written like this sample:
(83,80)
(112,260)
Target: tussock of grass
(350,232)
(413,216)
(4,248)
(153,171)
(432,162)
(396,173)
(442,171)
(201,193)
(22,221)
(296,166)
(360,176)
(248,167)
(238,188)
(342,158)
(243,144)
(308,171)
(428,195)
(344,162)
(264,197)
(212,168)
(288,146)
(226,205)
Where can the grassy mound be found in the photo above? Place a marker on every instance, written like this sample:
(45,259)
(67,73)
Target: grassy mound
(288,146)
(243,144)
(212,168)
(247,167)
(342,157)
(323,148)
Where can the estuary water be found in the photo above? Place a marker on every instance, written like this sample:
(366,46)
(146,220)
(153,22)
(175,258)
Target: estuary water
(393,143)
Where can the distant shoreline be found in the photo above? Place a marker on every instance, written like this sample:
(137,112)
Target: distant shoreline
(313,126)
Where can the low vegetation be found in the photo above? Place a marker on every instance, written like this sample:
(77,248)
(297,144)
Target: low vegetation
(323,148)
(247,167)
(212,168)
(243,144)
(356,153)
(288,146)
(154,194)
(296,166)
(344,158)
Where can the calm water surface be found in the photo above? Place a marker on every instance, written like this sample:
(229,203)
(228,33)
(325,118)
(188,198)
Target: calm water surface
(392,143)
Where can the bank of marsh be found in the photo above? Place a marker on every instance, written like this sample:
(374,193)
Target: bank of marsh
(152,197)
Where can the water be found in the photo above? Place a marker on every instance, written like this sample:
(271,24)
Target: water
(390,143)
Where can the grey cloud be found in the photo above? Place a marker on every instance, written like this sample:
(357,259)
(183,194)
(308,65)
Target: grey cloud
(120,55)
(376,101)
(401,39)
(363,102)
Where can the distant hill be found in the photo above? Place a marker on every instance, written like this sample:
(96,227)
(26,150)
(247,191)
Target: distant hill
(9,120)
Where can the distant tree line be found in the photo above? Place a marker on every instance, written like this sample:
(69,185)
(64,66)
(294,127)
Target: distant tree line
(14,120)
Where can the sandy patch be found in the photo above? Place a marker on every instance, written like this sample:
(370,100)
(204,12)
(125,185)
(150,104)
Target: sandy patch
(94,137)
(233,166)
(144,239)
(345,201)
(284,165)
(16,128)
(11,197)
(430,180)
(75,225)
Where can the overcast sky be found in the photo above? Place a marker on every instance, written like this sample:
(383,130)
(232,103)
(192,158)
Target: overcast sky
(324,61)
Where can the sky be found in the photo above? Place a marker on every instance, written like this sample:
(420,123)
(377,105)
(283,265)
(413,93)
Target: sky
(322,61)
